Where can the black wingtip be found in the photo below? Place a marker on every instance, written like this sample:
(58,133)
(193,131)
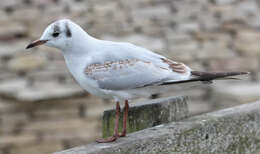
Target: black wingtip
(246,73)
(207,77)
(239,73)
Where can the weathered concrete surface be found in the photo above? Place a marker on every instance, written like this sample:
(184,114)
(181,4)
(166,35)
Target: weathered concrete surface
(148,114)
(233,130)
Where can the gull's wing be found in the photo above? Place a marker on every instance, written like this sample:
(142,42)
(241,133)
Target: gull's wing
(122,66)
(135,73)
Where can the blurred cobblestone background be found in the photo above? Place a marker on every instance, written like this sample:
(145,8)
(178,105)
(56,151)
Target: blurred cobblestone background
(43,110)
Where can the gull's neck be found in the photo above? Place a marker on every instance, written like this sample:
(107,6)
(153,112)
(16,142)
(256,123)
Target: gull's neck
(82,43)
(77,53)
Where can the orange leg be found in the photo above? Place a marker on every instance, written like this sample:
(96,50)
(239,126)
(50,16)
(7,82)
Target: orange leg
(116,135)
(125,119)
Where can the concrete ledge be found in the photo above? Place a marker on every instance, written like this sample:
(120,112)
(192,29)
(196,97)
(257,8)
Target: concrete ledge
(148,114)
(233,130)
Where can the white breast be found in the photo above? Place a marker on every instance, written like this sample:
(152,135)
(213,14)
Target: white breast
(76,66)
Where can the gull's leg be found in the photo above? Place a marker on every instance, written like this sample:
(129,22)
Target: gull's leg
(125,119)
(115,136)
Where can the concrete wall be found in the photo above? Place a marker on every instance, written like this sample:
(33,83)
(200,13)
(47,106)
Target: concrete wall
(148,114)
(232,130)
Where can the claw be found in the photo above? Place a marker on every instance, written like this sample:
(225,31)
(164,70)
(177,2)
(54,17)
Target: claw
(106,140)
(116,135)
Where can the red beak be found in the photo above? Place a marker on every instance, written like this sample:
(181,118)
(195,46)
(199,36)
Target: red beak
(36,43)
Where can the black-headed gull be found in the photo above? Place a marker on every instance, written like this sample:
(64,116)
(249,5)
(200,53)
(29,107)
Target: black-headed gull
(121,71)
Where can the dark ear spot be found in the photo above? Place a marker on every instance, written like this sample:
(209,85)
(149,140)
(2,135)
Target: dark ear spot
(68,32)
(56,28)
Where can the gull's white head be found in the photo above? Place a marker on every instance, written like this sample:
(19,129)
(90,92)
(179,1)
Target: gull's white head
(59,34)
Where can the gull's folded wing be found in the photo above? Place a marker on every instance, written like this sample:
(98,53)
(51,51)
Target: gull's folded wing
(131,73)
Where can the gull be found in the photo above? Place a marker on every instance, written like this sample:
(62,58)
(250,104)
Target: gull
(118,70)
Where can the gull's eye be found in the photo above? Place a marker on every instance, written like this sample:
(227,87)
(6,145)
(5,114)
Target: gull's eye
(55,34)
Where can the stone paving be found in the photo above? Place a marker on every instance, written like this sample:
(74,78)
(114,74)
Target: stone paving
(43,110)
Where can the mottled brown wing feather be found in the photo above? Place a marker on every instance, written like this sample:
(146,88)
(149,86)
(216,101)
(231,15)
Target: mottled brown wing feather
(175,66)
(126,74)
(116,65)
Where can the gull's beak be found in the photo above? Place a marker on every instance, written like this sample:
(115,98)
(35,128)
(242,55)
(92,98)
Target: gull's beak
(36,43)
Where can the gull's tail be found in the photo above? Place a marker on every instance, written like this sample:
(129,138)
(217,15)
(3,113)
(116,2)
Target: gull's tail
(208,77)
